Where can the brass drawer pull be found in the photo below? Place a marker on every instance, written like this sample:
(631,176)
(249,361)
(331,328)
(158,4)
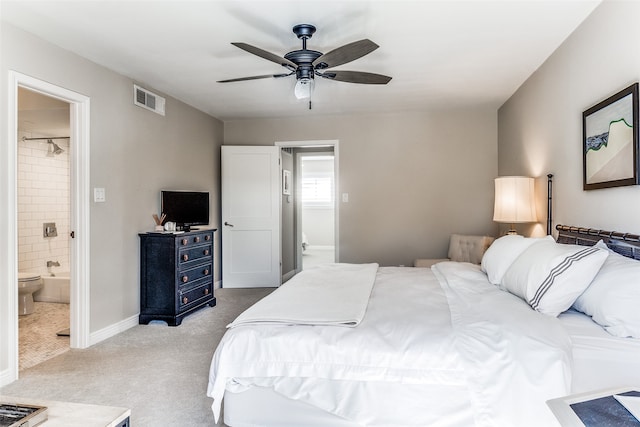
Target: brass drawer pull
(196,239)
(185,257)
(184,242)
(206,291)
(206,271)
(207,237)
(185,300)
(185,279)
(206,252)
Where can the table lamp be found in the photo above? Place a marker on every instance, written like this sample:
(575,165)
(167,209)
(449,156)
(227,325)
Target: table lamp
(514,201)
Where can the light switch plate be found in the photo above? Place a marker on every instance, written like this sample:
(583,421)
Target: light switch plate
(99,195)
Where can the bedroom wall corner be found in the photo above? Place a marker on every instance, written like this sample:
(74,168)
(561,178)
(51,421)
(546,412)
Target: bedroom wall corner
(540,126)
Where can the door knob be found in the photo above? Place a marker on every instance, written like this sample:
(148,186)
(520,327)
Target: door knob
(227,224)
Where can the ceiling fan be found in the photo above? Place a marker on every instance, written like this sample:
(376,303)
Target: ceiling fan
(306,63)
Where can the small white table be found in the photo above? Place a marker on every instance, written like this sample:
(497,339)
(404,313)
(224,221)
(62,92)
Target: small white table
(67,414)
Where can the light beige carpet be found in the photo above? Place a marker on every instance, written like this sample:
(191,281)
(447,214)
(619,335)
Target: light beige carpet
(317,255)
(160,372)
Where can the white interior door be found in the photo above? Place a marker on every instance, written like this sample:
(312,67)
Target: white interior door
(250,216)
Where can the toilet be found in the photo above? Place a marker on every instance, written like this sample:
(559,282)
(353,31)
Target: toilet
(28,283)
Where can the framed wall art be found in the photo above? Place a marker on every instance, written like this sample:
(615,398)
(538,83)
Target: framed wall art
(610,141)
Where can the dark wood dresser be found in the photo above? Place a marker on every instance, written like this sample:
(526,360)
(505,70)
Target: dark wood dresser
(176,275)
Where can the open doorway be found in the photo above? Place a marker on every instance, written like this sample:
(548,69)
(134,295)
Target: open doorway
(79,108)
(315,175)
(44,210)
(300,227)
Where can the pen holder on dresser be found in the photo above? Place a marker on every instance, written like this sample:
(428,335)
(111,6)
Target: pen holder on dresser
(159,226)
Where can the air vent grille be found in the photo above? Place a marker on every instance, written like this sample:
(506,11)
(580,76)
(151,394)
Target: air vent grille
(149,100)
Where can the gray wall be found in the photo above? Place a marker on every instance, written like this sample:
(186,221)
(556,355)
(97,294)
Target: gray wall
(540,126)
(134,154)
(412,178)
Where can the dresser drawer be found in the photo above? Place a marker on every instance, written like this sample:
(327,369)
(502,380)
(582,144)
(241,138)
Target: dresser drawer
(195,253)
(195,273)
(195,295)
(195,239)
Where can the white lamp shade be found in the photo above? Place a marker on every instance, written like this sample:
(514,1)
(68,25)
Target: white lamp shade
(304,88)
(515,201)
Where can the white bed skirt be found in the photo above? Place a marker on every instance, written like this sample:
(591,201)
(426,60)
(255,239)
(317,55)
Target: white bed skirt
(267,407)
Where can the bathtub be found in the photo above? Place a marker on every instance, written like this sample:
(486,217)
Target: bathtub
(55,289)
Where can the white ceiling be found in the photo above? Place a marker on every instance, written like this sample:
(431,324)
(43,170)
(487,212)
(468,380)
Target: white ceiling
(441,54)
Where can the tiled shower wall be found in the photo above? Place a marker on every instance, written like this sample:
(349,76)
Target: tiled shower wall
(43,196)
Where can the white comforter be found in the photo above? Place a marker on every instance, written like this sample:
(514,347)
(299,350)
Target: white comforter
(457,332)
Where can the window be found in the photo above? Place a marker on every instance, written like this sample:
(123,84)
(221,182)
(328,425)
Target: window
(317,182)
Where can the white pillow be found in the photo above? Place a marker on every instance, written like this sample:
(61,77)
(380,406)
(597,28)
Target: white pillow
(613,298)
(502,252)
(550,276)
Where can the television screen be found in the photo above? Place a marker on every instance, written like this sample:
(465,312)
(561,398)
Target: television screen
(185,208)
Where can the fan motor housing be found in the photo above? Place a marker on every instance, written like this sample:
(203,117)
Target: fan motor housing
(304,60)
(303,56)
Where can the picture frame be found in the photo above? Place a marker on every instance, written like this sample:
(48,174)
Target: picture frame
(610,141)
(286,182)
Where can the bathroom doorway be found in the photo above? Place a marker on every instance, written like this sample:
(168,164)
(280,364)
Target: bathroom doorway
(299,238)
(79,107)
(43,227)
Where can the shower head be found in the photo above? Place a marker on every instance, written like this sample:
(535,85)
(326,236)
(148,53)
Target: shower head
(55,148)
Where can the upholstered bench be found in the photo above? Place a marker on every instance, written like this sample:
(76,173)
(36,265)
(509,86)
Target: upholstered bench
(462,248)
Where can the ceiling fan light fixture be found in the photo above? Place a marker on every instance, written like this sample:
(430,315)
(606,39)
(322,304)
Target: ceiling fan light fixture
(306,63)
(304,88)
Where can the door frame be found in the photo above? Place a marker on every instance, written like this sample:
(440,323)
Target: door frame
(336,210)
(79,220)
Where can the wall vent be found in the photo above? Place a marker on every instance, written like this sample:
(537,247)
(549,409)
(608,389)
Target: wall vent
(149,100)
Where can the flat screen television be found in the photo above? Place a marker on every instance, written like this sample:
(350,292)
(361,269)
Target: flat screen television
(185,208)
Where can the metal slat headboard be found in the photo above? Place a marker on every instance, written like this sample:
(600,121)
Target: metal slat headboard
(625,244)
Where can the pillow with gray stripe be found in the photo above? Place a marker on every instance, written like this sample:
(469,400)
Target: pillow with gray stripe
(550,276)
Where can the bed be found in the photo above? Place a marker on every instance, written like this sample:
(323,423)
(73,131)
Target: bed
(454,345)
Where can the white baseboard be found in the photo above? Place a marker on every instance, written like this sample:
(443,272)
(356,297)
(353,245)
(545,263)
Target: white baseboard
(288,275)
(113,330)
(6,378)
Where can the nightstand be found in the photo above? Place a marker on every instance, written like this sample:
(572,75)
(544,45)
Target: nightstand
(594,409)
(67,414)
